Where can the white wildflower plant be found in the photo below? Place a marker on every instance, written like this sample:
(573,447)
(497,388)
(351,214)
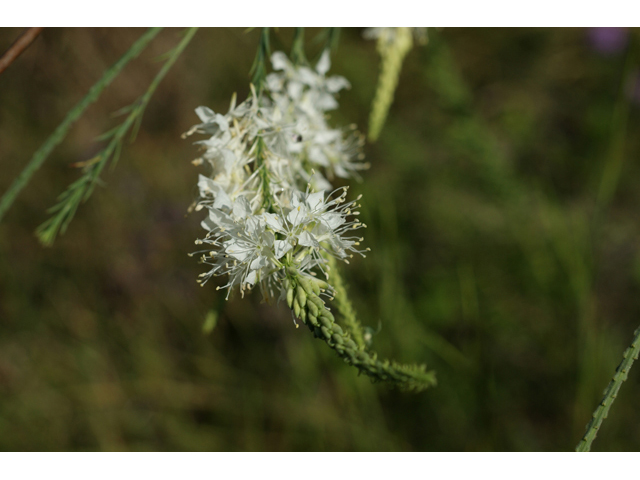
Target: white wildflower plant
(274,219)
(271,206)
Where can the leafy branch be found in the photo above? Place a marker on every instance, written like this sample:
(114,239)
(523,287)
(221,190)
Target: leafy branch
(343,304)
(610,393)
(80,190)
(76,112)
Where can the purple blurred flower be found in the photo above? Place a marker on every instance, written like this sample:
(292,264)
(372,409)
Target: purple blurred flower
(608,40)
(633,87)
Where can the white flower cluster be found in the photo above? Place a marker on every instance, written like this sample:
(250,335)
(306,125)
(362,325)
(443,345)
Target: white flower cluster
(268,201)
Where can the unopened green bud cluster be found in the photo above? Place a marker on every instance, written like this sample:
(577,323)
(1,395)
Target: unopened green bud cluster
(303,297)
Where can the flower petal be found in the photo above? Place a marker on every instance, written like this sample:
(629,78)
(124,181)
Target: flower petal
(259,262)
(281,247)
(306,239)
(324,64)
(251,278)
(274,222)
(279,61)
(241,207)
(315,201)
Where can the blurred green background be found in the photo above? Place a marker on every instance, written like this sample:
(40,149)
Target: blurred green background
(502,205)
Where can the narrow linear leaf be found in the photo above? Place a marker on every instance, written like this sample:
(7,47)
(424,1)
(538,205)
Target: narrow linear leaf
(259,67)
(80,190)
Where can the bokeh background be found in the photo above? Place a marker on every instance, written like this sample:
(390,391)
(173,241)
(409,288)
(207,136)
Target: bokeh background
(502,205)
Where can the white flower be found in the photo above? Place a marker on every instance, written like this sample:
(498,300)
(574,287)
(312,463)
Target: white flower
(318,224)
(302,96)
(242,247)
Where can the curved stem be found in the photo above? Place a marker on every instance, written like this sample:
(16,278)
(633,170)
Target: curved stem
(303,297)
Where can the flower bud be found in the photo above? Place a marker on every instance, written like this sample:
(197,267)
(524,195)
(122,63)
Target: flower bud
(313,309)
(290,297)
(301,296)
(325,331)
(296,307)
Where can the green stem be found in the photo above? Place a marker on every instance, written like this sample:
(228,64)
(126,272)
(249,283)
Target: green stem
(610,393)
(267,202)
(333,36)
(61,132)
(297,49)
(392,55)
(81,189)
(177,51)
(259,67)
(343,304)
